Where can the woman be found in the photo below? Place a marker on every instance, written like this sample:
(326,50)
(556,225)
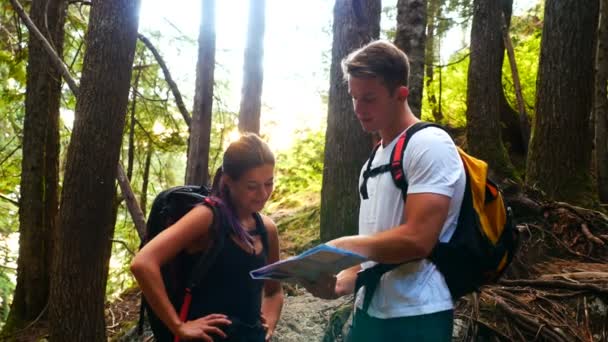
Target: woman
(228,305)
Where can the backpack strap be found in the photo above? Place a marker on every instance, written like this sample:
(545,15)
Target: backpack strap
(210,255)
(370,278)
(368,172)
(260,229)
(397,155)
(206,260)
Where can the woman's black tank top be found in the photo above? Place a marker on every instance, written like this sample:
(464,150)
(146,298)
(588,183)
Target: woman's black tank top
(227,288)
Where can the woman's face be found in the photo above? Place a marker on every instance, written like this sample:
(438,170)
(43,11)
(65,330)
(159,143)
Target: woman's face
(250,192)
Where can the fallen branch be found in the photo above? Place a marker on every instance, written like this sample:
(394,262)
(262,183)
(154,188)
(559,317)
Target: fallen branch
(590,236)
(583,211)
(529,323)
(577,276)
(555,284)
(564,245)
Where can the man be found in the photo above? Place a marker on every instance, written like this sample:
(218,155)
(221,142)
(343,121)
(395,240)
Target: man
(412,301)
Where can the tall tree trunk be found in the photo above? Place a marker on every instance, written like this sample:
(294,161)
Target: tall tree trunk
(410,38)
(601,105)
(253,72)
(83,245)
(197,168)
(39,168)
(131,147)
(484,88)
(145,180)
(346,144)
(560,149)
(433,11)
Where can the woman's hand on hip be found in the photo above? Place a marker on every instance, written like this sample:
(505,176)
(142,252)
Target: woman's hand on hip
(203,328)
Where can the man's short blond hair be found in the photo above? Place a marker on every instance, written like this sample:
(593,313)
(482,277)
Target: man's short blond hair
(380,59)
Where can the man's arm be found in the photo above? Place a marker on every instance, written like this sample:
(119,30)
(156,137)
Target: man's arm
(426,214)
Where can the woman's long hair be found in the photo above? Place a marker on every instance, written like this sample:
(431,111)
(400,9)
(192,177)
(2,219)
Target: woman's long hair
(248,152)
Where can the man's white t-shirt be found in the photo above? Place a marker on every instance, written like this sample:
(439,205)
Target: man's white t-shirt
(431,165)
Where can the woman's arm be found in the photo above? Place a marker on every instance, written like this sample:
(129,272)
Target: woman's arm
(190,233)
(272,302)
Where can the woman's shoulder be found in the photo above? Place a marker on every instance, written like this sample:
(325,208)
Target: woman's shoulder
(268,223)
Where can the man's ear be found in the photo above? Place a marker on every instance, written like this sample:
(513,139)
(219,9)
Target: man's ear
(403,93)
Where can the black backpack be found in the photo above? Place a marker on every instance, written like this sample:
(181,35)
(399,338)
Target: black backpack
(168,207)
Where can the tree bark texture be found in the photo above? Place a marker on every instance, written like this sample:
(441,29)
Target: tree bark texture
(83,245)
(560,149)
(253,72)
(347,146)
(484,88)
(433,11)
(410,37)
(197,167)
(39,167)
(601,106)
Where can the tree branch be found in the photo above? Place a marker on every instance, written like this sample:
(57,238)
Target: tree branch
(10,155)
(8,199)
(138,217)
(176,93)
(124,244)
(57,62)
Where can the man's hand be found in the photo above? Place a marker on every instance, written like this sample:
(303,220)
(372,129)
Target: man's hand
(202,328)
(323,287)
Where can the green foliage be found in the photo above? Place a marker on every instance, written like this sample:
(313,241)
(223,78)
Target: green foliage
(300,168)
(449,86)
(298,227)
(13,57)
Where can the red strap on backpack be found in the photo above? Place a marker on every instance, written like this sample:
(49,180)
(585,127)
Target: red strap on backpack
(183,312)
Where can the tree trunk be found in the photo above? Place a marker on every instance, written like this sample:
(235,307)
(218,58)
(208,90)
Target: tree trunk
(145,180)
(433,11)
(39,168)
(601,106)
(484,88)
(560,149)
(83,245)
(410,38)
(253,72)
(346,144)
(521,106)
(131,147)
(512,133)
(197,168)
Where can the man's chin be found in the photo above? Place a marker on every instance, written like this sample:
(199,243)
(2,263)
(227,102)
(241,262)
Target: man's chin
(368,128)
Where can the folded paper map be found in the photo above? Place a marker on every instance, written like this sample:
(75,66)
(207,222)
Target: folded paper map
(309,265)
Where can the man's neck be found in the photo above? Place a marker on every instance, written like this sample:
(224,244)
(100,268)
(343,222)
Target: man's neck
(402,121)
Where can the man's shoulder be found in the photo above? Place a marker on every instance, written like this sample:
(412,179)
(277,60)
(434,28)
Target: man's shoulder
(433,142)
(430,135)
